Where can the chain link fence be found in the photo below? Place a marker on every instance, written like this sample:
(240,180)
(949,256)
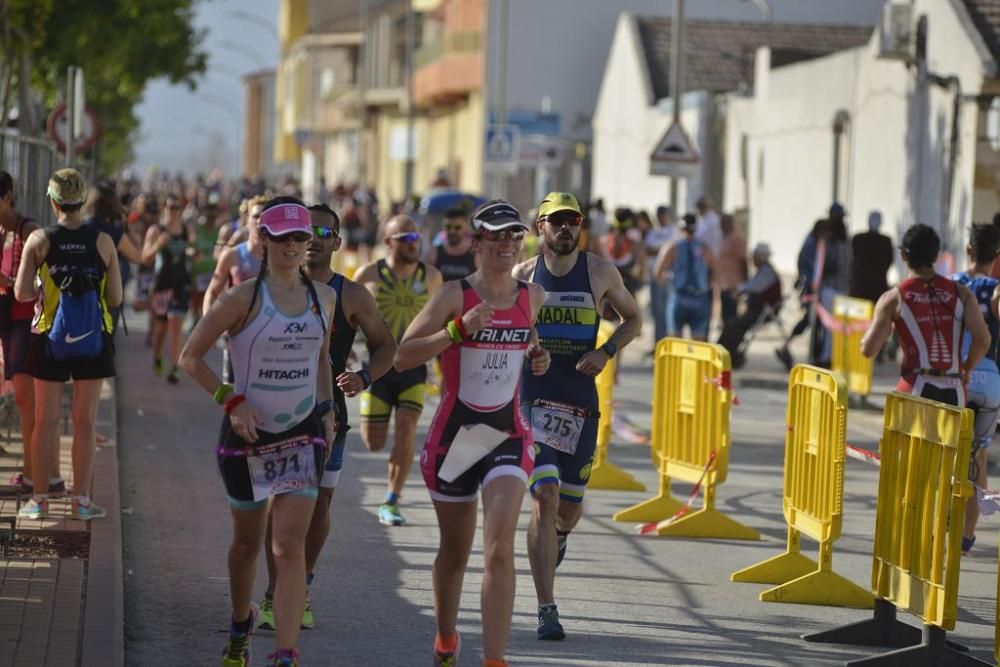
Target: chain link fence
(30,161)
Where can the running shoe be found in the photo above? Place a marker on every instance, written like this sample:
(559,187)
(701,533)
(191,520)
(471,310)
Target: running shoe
(172,376)
(967,544)
(22,487)
(158,365)
(57,488)
(265,619)
(34,509)
(286,657)
(561,544)
(87,512)
(237,651)
(785,357)
(307,614)
(549,627)
(448,658)
(388,515)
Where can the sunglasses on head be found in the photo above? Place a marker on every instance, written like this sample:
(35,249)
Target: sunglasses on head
(406,237)
(324,232)
(502,235)
(296,237)
(564,218)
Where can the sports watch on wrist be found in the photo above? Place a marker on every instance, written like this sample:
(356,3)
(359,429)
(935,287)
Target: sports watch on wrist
(366,377)
(609,349)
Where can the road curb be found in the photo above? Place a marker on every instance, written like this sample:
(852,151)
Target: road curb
(103,617)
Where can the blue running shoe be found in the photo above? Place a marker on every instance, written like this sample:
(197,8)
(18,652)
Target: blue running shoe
(34,509)
(549,628)
(287,657)
(388,515)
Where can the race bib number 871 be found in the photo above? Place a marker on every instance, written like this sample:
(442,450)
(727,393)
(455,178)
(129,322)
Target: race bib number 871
(283,467)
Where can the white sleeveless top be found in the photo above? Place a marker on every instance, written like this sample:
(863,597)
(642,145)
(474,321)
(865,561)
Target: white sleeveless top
(276,361)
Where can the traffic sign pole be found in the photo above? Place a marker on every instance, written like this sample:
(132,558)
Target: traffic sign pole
(677,89)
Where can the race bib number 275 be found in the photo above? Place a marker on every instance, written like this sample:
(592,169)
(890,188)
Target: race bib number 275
(557,425)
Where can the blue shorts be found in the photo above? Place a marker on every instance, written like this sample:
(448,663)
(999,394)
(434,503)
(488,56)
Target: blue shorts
(692,310)
(331,473)
(570,471)
(984,399)
(15,348)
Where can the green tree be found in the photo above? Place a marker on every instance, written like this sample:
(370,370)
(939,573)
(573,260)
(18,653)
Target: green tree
(121,45)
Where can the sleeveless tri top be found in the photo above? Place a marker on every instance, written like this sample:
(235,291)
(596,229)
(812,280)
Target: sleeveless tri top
(275,360)
(247,264)
(400,299)
(930,327)
(340,344)
(982,287)
(481,373)
(455,267)
(172,266)
(567,327)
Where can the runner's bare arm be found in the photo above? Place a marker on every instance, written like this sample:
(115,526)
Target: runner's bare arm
(222,241)
(539,356)
(881,326)
(225,314)
(324,381)
(665,259)
(609,287)
(995,302)
(220,278)
(152,244)
(430,257)
(35,248)
(113,292)
(426,337)
(433,278)
(128,250)
(361,311)
(367,276)
(976,325)
(524,270)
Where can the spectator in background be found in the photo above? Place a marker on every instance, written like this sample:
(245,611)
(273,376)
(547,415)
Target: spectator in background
(709,225)
(662,233)
(104,213)
(836,279)
(690,301)
(597,226)
(623,246)
(804,284)
(873,256)
(761,291)
(730,267)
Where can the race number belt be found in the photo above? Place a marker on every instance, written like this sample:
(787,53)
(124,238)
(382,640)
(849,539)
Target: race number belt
(558,425)
(284,466)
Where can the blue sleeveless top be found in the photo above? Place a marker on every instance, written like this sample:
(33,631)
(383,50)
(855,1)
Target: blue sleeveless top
(567,327)
(982,287)
(690,272)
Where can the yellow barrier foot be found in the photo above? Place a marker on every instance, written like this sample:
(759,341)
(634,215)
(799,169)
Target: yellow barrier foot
(655,509)
(933,651)
(710,524)
(823,588)
(609,477)
(789,565)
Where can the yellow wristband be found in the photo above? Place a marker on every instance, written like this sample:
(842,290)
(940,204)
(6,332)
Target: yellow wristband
(453,332)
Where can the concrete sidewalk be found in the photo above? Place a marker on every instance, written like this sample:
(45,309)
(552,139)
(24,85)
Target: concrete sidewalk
(56,610)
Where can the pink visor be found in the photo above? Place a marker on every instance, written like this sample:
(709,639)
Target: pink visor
(285,219)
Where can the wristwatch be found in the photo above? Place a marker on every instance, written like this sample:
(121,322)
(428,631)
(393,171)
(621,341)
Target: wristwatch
(366,377)
(609,349)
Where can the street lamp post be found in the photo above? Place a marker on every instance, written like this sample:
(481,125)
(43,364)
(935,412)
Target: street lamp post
(676,87)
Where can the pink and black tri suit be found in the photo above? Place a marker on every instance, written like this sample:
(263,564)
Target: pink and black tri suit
(930,333)
(481,386)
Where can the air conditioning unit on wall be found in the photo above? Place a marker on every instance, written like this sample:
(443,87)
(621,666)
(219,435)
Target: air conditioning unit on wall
(896,31)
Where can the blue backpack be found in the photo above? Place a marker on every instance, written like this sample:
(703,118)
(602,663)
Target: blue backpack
(78,323)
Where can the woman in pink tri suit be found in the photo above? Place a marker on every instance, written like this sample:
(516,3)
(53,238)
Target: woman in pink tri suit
(483,328)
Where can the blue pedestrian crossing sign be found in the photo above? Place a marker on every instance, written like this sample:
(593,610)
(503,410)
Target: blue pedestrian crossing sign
(502,145)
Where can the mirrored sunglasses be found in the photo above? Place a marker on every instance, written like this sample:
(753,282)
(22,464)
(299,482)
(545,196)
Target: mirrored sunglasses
(406,237)
(324,232)
(564,218)
(296,237)
(502,235)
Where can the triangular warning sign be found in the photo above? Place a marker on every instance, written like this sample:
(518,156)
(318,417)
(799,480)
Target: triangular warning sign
(675,147)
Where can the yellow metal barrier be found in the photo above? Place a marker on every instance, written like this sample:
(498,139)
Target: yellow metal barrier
(691,401)
(813,496)
(923,489)
(852,317)
(604,474)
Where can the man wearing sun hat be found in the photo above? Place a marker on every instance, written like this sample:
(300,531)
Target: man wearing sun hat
(576,283)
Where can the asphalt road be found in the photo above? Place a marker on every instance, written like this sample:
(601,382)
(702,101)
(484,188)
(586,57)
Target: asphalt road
(624,599)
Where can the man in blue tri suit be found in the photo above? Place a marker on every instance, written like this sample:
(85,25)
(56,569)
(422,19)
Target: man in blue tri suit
(355,309)
(561,406)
